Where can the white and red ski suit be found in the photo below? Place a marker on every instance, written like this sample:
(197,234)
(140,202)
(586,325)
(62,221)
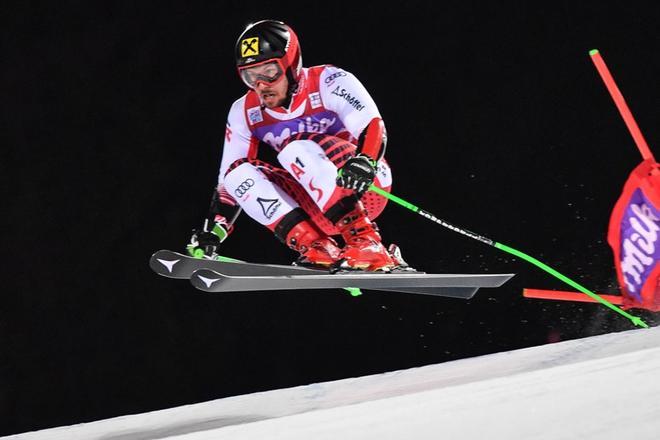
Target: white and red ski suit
(325,124)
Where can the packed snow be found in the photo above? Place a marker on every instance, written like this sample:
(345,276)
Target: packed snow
(602,387)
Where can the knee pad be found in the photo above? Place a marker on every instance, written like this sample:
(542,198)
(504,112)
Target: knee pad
(260,198)
(311,168)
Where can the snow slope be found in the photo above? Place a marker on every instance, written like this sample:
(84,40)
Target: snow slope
(603,387)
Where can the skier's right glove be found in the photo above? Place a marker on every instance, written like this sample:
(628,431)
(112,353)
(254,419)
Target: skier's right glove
(204,243)
(358,173)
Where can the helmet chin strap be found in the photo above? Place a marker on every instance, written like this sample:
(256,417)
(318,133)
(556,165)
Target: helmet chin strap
(291,90)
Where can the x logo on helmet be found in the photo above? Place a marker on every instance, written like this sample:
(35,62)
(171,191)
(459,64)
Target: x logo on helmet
(248,47)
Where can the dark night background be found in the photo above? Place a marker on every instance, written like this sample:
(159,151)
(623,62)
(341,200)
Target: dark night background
(115,112)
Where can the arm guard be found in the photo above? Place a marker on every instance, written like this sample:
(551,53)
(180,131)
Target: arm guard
(373,140)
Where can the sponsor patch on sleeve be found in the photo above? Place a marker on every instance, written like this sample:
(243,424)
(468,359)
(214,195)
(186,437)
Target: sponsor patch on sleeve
(331,78)
(346,95)
(315,99)
(254,115)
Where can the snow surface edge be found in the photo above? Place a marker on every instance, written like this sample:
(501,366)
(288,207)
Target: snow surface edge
(278,403)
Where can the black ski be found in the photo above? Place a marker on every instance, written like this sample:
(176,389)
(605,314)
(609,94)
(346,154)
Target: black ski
(449,285)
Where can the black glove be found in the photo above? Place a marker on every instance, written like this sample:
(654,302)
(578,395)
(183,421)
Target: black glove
(358,173)
(203,244)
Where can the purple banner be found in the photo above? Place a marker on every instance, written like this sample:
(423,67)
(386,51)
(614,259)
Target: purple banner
(640,247)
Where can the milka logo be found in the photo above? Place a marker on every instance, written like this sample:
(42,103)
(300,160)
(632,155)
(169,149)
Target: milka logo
(307,125)
(639,247)
(276,141)
(310,126)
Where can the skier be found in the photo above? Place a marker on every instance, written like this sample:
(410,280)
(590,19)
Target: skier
(329,139)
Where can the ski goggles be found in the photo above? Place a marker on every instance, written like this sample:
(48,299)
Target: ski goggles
(268,72)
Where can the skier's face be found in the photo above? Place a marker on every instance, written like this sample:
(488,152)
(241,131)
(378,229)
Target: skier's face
(268,80)
(273,95)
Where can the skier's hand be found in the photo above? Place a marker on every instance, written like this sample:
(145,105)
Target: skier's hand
(205,243)
(358,173)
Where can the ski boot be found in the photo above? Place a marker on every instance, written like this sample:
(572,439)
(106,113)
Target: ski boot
(400,263)
(363,249)
(316,249)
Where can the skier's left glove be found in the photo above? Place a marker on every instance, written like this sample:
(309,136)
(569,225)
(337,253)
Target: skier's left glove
(204,243)
(358,173)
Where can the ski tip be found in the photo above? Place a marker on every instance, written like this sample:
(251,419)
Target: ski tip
(156,253)
(593,52)
(204,279)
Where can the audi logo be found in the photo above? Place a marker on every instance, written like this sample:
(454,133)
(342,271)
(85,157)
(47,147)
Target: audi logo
(244,187)
(334,76)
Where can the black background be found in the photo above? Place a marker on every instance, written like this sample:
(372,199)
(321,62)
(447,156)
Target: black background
(497,120)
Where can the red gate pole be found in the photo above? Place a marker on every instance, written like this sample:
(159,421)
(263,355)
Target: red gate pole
(621,104)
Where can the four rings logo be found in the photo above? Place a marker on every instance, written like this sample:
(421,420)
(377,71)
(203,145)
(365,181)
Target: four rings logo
(334,76)
(244,187)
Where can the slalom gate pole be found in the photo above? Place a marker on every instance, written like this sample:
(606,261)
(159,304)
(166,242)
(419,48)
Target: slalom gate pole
(568,296)
(635,320)
(621,104)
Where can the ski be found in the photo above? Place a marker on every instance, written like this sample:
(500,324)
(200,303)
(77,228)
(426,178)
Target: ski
(175,265)
(447,285)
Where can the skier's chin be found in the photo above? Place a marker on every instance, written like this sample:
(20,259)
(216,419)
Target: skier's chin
(270,99)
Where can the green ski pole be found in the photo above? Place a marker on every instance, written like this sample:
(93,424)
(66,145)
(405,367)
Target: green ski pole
(635,319)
